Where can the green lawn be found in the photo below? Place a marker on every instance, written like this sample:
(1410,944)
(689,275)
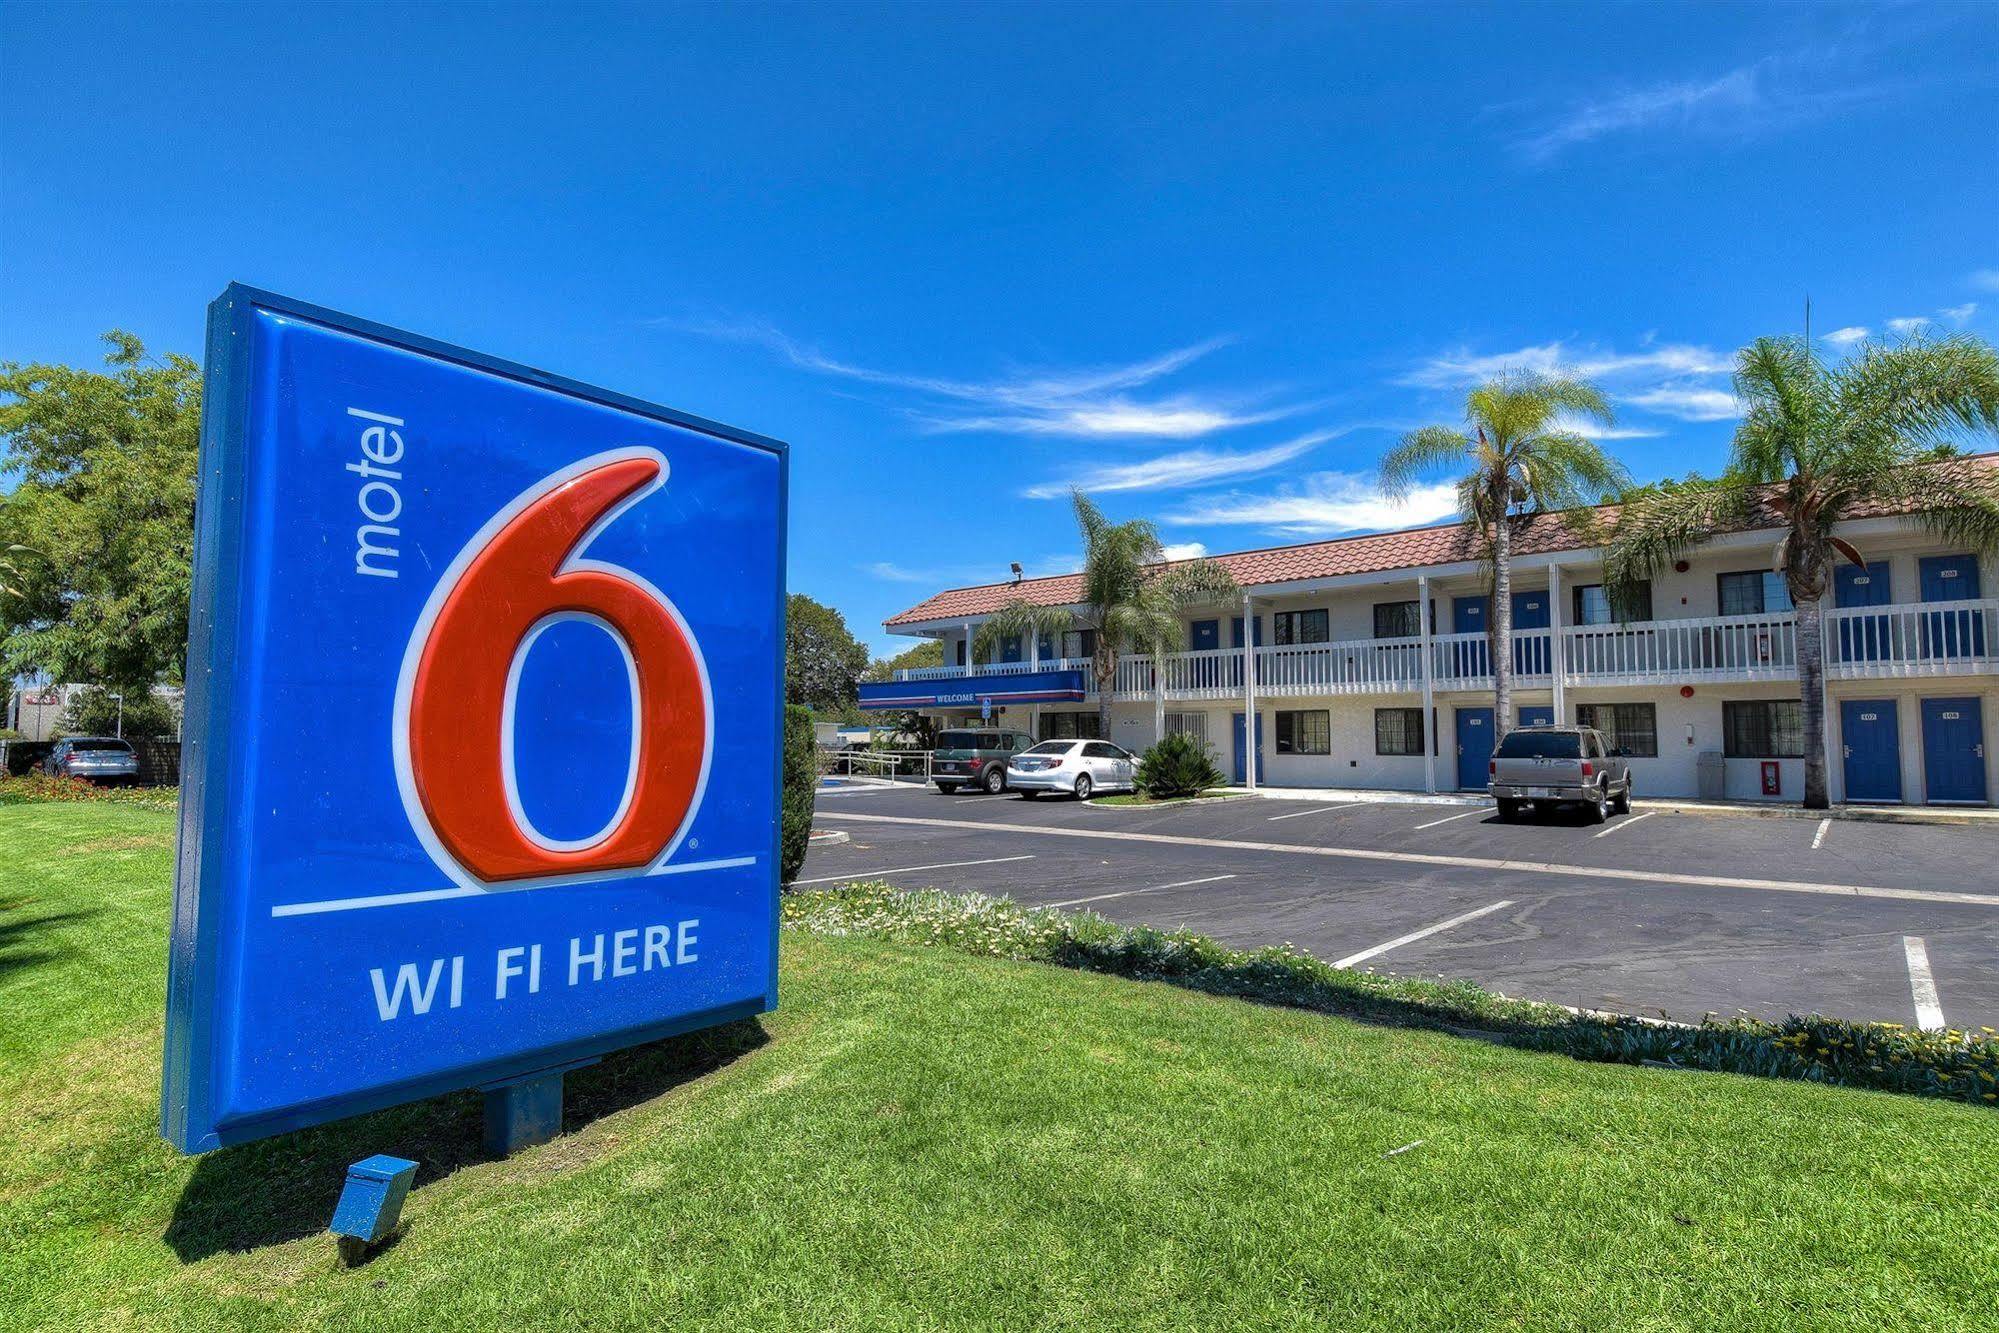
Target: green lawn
(920,1138)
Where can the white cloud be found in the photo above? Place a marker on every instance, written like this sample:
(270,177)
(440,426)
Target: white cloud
(1085,403)
(1190,467)
(1184,550)
(1688,402)
(1960,315)
(1773,93)
(1463,367)
(1909,324)
(1847,336)
(1591,430)
(1324,504)
(1986,280)
(956,576)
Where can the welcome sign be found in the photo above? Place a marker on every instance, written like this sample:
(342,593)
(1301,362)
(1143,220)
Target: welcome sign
(483,716)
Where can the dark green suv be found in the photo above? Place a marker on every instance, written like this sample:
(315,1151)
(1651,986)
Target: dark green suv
(975,758)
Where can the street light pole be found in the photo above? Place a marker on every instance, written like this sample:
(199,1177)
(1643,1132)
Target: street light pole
(121,715)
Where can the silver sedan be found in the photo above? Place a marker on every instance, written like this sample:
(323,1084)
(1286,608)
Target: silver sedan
(1080,768)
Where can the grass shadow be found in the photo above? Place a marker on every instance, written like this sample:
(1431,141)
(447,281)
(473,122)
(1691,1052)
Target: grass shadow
(280,1189)
(21,944)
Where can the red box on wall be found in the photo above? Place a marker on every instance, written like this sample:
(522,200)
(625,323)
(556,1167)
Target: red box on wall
(1773,778)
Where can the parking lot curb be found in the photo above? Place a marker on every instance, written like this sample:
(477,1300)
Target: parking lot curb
(1857,814)
(828,837)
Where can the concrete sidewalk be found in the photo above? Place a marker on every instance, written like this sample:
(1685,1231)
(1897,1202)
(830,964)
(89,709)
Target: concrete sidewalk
(1879,814)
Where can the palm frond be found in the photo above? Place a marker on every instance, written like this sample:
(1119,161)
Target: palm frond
(1659,524)
(1420,453)
(1018,618)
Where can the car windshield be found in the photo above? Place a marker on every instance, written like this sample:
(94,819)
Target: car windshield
(1541,745)
(1052,747)
(119,746)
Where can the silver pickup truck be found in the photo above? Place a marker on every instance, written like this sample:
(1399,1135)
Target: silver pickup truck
(1549,765)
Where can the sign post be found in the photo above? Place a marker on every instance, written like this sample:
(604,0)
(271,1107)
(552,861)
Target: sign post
(483,719)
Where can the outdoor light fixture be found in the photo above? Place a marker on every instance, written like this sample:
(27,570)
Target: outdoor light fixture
(1016,571)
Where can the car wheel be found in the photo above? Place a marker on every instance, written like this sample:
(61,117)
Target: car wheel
(948,788)
(1623,806)
(1083,786)
(1029,795)
(1597,810)
(995,780)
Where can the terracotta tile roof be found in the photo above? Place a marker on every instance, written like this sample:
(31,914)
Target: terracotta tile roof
(1410,548)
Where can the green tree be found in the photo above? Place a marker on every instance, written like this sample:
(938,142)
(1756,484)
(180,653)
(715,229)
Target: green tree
(929,653)
(1516,459)
(1819,444)
(1132,599)
(823,662)
(97,538)
(96,712)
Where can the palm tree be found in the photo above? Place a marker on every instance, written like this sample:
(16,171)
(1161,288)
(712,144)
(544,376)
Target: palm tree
(1522,459)
(1132,599)
(1819,444)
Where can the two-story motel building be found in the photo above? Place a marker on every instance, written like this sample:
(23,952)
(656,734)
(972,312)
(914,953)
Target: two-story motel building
(1366,663)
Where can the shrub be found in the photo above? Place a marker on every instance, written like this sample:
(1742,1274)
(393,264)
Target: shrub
(93,712)
(801,779)
(46,789)
(1957,1065)
(1178,765)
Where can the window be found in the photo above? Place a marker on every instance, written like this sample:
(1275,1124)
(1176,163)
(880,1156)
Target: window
(1102,750)
(1398,731)
(1763,729)
(1540,745)
(1593,606)
(961,652)
(1079,643)
(1753,592)
(1300,627)
(1397,620)
(1068,726)
(1633,727)
(1188,724)
(1309,731)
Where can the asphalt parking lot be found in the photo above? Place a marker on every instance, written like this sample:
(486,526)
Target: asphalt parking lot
(1662,914)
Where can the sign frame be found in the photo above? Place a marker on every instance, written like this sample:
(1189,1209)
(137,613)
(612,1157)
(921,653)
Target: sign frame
(214,736)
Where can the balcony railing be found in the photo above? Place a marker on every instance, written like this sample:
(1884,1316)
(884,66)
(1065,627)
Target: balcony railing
(1918,639)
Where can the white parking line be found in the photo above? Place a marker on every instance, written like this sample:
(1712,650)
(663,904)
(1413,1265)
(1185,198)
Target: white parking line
(1459,862)
(904,870)
(1448,818)
(1625,823)
(1318,810)
(1819,837)
(1183,884)
(1424,933)
(1922,986)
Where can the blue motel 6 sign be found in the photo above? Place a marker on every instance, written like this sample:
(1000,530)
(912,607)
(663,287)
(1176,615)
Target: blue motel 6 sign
(483,717)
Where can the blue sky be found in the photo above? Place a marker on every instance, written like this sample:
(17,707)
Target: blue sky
(1208,261)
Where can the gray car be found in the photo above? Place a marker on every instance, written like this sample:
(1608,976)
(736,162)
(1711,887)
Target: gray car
(97,758)
(1547,766)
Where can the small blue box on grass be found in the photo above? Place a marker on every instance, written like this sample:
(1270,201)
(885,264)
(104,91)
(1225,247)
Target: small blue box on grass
(372,1202)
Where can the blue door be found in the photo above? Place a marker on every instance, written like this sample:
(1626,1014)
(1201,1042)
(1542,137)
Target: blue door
(1870,731)
(1474,747)
(1241,775)
(1530,613)
(1954,750)
(1010,650)
(1952,578)
(1235,641)
(1537,715)
(1863,638)
(1470,658)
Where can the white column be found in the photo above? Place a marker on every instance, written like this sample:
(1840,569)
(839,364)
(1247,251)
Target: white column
(1558,653)
(1429,693)
(1249,691)
(1034,648)
(969,663)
